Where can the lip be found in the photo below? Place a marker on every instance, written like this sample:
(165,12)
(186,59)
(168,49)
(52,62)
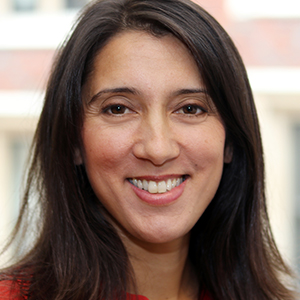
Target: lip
(159,199)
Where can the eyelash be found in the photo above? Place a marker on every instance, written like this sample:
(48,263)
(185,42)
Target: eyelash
(108,109)
(122,109)
(193,106)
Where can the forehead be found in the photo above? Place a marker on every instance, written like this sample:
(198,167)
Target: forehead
(139,58)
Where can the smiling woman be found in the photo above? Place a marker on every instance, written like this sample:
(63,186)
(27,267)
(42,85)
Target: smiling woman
(147,166)
(151,123)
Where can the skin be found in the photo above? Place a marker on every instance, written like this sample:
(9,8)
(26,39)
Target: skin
(145,119)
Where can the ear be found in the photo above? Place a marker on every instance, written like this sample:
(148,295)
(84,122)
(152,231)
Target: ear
(228,153)
(77,157)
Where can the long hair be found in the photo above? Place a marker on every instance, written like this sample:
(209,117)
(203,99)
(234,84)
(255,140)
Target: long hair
(77,253)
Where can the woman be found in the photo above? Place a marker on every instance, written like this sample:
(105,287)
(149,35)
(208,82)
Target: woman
(147,165)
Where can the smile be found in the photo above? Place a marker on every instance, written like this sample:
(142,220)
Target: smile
(159,187)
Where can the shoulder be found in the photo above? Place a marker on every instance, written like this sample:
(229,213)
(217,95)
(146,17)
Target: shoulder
(9,291)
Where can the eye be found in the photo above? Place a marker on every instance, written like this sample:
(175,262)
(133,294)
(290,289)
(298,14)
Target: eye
(192,109)
(116,109)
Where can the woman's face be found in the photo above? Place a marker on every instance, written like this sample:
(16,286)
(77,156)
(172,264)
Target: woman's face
(153,155)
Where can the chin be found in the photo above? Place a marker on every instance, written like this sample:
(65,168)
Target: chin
(161,236)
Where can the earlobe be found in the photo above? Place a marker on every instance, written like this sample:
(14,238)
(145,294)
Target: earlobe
(77,157)
(228,153)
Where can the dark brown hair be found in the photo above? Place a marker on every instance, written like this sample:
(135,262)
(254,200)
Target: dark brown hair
(77,253)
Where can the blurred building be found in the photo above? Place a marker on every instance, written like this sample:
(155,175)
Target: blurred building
(269,42)
(30,32)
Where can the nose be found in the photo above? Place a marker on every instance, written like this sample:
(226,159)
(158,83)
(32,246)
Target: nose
(156,142)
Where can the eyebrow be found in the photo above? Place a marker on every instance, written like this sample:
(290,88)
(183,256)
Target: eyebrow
(133,91)
(114,91)
(190,91)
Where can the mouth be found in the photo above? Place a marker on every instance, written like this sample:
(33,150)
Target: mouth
(157,187)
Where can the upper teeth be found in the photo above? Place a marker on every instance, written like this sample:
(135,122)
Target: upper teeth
(157,187)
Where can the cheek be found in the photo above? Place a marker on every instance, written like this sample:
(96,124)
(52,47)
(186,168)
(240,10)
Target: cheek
(205,146)
(105,147)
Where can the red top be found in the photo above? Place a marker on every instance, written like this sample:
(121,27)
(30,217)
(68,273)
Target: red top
(7,292)
(204,296)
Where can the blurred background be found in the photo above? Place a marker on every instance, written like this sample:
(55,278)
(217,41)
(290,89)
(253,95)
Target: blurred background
(267,34)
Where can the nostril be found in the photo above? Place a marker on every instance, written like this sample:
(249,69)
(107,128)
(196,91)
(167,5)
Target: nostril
(157,149)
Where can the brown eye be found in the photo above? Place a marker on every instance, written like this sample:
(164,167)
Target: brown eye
(116,109)
(192,110)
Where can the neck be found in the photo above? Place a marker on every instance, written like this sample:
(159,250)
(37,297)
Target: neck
(162,271)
